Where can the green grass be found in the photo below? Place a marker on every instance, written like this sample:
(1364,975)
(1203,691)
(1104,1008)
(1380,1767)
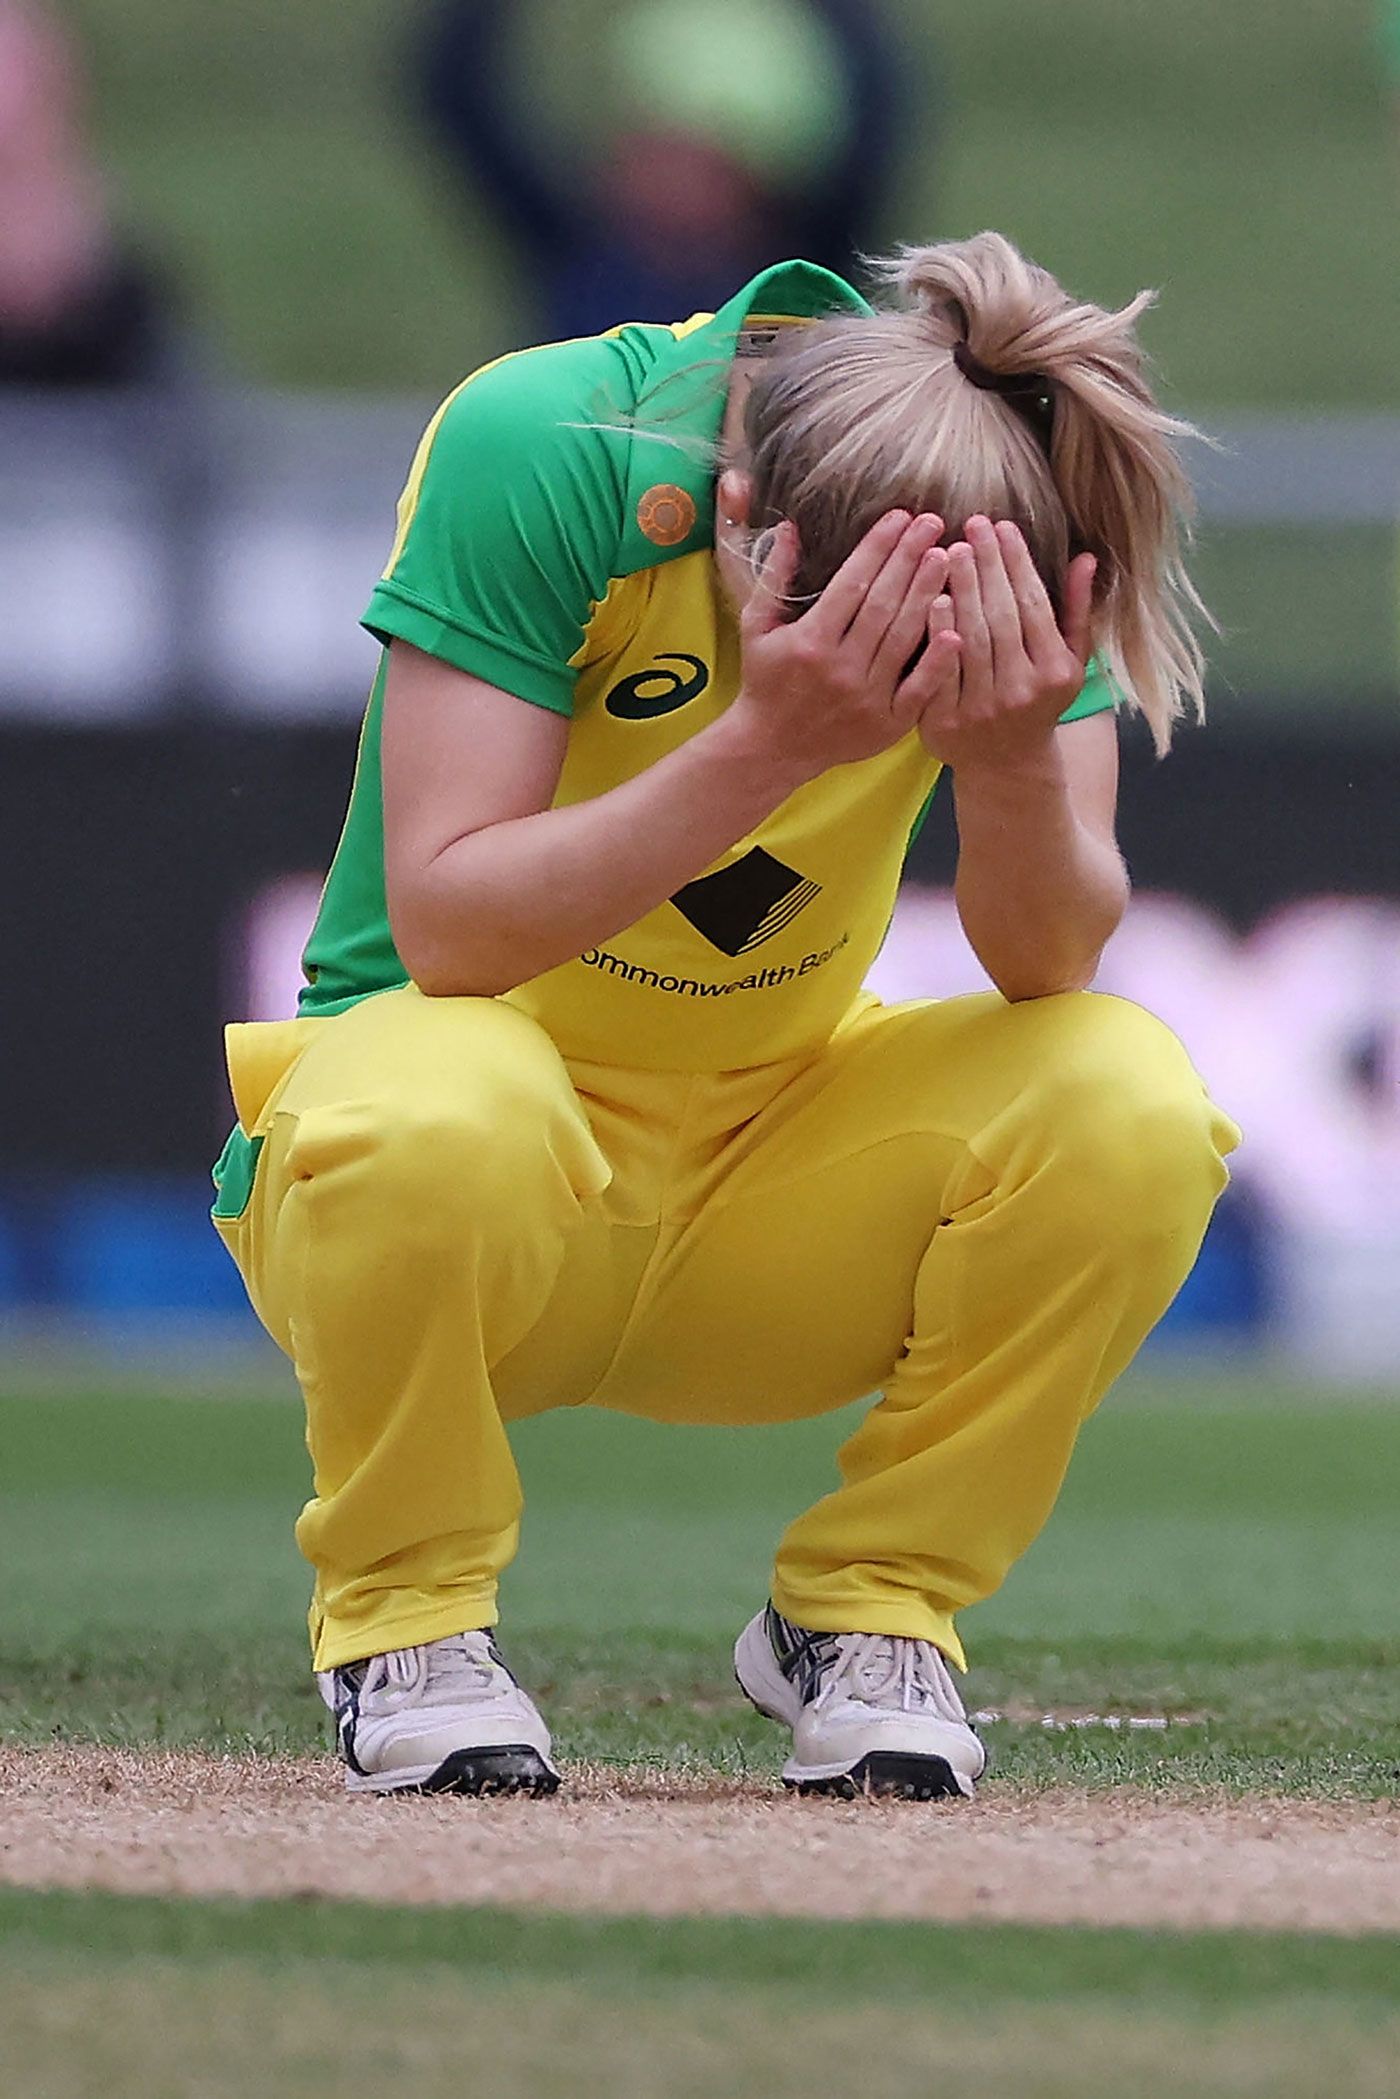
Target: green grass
(1239,157)
(1221,1556)
(1309,621)
(1221,1551)
(1192,1972)
(163,1999)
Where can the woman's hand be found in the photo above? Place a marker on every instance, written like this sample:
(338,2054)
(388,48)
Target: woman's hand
(830,687)
(1017,669)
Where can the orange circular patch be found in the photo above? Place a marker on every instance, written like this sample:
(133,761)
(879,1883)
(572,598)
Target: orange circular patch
(666,514)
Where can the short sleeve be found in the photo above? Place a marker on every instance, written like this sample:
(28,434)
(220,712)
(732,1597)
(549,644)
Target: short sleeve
(1097,694)
(510,521)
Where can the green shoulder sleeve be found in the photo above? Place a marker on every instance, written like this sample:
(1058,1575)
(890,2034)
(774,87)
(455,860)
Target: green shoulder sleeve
(509,523)
(1096,695)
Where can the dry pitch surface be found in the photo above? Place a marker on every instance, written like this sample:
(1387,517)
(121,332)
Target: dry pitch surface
(185,1824)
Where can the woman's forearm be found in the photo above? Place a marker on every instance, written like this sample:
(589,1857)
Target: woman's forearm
(519,897)
(1038,893)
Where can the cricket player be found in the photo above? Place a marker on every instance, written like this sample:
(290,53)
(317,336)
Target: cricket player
(585,1103)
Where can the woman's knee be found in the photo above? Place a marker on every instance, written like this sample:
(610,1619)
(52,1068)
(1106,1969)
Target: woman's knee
(1129,1115)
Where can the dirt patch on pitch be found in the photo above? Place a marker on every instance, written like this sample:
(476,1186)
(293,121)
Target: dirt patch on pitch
(184,1824)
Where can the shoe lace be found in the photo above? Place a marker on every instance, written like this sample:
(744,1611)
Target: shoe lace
(444,1672)
(882,1669)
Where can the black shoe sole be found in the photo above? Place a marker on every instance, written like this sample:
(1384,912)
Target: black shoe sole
(515,1768)
(885,1775)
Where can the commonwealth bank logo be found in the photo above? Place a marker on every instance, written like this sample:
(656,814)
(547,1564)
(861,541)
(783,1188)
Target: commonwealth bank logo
(739,908)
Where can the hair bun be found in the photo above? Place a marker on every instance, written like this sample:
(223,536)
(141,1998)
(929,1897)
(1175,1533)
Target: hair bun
(980,291)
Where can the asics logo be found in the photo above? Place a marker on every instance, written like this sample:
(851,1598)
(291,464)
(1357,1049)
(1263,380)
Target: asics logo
(656,691)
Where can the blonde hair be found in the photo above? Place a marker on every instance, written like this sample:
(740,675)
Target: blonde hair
(861,414)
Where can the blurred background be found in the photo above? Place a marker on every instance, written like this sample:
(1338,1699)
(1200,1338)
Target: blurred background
(244,251)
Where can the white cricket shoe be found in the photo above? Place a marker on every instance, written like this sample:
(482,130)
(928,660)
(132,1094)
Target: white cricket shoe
(445,1718)
(869,1712)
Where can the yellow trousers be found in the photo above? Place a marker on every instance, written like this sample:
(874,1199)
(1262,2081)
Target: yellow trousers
(976,1210)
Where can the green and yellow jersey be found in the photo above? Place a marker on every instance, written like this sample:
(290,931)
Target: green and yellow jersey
(555,538)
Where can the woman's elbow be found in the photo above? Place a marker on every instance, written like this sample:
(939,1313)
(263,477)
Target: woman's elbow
(443,965)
